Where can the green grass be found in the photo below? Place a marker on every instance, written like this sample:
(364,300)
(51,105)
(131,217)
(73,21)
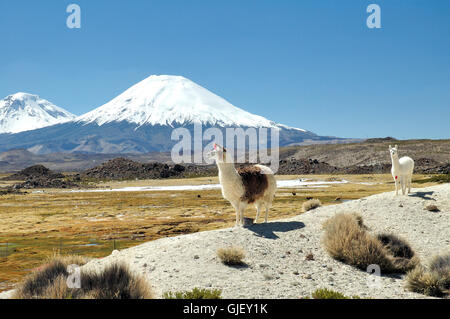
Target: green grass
(195,293)
(330,294)
(443,178)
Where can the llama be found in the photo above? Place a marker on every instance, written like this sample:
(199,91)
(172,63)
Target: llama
(254,184)
(402,169)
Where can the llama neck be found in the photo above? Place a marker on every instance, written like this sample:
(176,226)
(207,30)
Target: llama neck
(227,170)
(395,162)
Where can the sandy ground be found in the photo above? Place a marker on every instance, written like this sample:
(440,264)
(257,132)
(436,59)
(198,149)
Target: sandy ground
(276,252)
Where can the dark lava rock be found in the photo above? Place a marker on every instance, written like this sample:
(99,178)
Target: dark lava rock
(305,166)
(35,171)
(126,169)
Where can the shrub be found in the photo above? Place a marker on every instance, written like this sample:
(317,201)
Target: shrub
(195,293)
(311,204)
(432,208)
(329,294)
(38,283)
(231,256)
(113,282)
(346,239)
(431,281)
(440,264)
(396,246)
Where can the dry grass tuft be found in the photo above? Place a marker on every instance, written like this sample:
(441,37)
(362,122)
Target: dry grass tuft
(311,204)
(431,281)
(346,239)
(39,282)
(432,208)
(232,256)
(196,293)
(114,282)
(396,246)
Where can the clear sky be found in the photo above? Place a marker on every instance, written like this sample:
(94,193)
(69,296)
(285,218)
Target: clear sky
(309,64)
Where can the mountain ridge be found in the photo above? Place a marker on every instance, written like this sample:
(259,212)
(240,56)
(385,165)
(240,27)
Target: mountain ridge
(21,112)
(142,118)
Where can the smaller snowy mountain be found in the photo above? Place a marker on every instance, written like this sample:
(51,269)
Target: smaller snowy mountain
(24,112)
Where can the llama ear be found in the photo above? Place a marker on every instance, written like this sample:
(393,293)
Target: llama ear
(215,146)
(224,149)
(390,146)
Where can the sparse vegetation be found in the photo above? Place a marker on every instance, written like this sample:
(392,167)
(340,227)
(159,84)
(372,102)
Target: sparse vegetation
(116,281)
(311,204)
(330,294)
(442,178)
(433,280)
(346,239)
(432,208)
(195,293)
(396,246)
(88,222)
(232,256)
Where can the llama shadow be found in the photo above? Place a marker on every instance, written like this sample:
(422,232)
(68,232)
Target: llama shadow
(267,230)
(423,195)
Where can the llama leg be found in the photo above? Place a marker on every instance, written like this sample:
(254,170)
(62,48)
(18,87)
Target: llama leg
(242,215)
(236,209)
(267,213)
(409,184)
(403,182)
(258,209)
(396,187)
(242,207)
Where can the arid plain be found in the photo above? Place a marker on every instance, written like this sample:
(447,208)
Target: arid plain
(42,222)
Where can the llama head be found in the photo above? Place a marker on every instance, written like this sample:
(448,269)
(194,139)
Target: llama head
(393,150)
(219,153)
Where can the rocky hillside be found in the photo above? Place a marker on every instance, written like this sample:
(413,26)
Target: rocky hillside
(39,176)
(370,157)
(126,169)
(371,152)
(285,258)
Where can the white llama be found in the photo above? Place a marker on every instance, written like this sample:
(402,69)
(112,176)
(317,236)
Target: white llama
(402,170)
(254,184)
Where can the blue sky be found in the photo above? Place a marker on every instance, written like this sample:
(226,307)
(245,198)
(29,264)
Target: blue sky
(310,64)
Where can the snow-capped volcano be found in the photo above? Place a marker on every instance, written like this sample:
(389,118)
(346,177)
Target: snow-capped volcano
(141,120)
(173,101)
(23,112)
